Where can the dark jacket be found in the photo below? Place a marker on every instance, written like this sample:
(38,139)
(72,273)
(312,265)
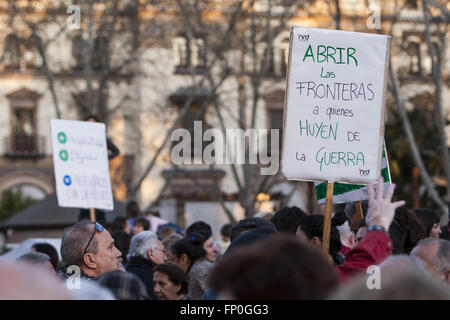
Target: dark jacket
(143,268)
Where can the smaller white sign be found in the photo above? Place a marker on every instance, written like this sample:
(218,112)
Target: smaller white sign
(80,160)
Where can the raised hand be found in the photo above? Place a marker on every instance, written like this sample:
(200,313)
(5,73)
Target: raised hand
(381,209)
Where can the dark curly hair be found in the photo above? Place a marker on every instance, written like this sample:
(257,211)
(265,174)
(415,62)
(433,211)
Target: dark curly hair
(287,219)
(191,246)
(405,231)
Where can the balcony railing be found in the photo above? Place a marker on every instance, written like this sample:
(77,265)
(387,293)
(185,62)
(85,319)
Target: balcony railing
(22,146)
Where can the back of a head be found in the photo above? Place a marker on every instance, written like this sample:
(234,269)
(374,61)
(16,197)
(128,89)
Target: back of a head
(427,217)
(165,231)
(405,231)
(394,285)
(170,240)
(250,237)
(225,230)
(247,224)
(277,268)
(119,223)
(34,258)
(287,219)
(74,241)
(49,250)
(122,242)
(198,226)
(441,260)
(143,222)
(312,226)
(21,281)
(124,285)
(192,248)
(403,263)
(132,209)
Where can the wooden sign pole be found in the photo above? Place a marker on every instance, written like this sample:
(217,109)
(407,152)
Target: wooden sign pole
(327,219)
(359,210)
(92,212)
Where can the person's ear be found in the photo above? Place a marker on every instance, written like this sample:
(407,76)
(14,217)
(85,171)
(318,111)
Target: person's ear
(178,287)
(149,254)
(316,241)
(89,261)
(447,276)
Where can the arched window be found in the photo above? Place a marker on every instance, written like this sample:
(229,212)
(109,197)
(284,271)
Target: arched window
(24,139)
(415,61)
(281,54)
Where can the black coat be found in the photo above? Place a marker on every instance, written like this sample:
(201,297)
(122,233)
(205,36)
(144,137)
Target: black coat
(143,268)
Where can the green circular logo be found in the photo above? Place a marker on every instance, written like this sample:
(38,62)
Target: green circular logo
(64,155)
(62,137)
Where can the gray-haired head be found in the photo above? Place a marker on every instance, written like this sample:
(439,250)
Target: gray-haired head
(74,241)
(403,263)
(141,243)
(441,260)
(36,258)
(350,209)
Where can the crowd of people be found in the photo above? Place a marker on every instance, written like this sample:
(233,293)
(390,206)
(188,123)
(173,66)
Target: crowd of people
(390,252)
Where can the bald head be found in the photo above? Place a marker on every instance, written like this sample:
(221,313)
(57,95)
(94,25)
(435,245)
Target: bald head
(21,281)
(435,253)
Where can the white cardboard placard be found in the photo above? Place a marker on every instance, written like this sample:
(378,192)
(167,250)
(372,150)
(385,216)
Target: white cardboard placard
(81,166)
(334,106)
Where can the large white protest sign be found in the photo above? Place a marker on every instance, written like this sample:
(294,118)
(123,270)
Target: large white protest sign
(80,160)
(334,108)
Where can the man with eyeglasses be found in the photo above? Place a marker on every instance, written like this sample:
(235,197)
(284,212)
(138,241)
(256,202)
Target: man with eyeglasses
(90,247)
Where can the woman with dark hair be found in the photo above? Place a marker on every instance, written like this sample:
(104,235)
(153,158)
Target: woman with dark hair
(170,282)
(189,254)
(430,220)
(311,229)
(405,231)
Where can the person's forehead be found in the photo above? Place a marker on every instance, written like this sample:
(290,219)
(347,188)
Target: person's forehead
(426,251)
(160,276)
(104,236)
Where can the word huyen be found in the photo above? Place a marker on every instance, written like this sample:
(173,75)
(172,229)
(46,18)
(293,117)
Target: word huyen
(322,130)
(326,54)
(339,158)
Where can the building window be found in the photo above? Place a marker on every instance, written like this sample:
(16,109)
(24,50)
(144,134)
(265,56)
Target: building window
(189,54)
(99,52)
(20,55)
(275,107)
(414,58)
(24,139)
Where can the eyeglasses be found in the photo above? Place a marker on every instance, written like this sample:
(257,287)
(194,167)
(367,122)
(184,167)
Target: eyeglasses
(99,228)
